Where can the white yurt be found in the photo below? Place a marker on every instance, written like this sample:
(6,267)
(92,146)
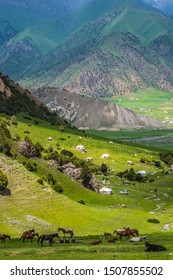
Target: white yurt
(105,190)
(80,148)
(105,156)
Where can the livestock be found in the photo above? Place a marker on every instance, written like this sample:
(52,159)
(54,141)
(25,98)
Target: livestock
(3,237)
(47,237)
(28,236)
(124,232)
(153,247)
(138,239)
(64,231)
(29,231)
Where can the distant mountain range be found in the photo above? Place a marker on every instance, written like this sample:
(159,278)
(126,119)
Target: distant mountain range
(94,47)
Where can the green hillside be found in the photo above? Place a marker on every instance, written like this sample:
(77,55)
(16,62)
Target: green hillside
(160,103)
(39,206)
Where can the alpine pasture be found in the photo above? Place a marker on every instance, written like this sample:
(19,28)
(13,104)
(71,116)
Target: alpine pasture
(33,205)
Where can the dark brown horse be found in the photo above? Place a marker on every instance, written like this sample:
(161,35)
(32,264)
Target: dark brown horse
(29,231)
(47,237)
(124,232)
(64,231)
(3,237)
(135,231)
(28,236)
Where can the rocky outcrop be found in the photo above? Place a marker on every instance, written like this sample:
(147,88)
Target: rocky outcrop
(75,173)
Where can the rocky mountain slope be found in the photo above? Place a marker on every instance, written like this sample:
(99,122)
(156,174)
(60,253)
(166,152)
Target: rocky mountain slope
(89,113)
(101,59)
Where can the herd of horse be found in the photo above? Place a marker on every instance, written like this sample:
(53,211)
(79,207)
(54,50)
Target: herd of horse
(49,238)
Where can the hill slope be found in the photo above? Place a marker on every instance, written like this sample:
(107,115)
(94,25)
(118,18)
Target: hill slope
(89,113)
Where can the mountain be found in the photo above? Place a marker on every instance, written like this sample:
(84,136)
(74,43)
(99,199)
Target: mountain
(97,48)
(89,113)
(25,13)
(165,5)
(123,51)
(6,31)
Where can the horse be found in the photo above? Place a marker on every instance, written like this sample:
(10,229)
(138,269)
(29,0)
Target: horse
(64,231)
(124,232)
(47,237)
(135,231)
(153,247)
(3,237)
(29,231)
(28,236)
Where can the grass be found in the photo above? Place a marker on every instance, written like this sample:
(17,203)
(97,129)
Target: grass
(121,250)
(33,205)
(151,102)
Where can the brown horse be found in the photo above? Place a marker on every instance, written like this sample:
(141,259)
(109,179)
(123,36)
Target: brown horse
(28,236)
(47,237)
(135,231)
(64,231)
(29,231)
(124,232)
(3,237)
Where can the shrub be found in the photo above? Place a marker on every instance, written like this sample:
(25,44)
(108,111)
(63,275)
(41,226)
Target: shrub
(40,181)
(3,181)
(81,201)
(66,153)
(58,188)
(104,168)
(154,221)
(30,167)
(14,120)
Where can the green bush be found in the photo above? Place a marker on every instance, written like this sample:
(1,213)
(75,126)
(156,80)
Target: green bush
(154,221)
(104,168)
(3,181)
(81,201)
(58,188)
(40,181)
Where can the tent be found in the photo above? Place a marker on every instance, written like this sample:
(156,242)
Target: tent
(105,190)
(80,148)
(105,156)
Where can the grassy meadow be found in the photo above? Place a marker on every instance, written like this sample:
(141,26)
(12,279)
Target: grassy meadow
(151,102)
(32,205)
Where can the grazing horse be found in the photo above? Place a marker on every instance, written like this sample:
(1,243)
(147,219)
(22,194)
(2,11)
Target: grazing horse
(153,247)
(29,231)
(64,231)
(47,237)
(28,236)
(3,237)
(135,231)
(124,232)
